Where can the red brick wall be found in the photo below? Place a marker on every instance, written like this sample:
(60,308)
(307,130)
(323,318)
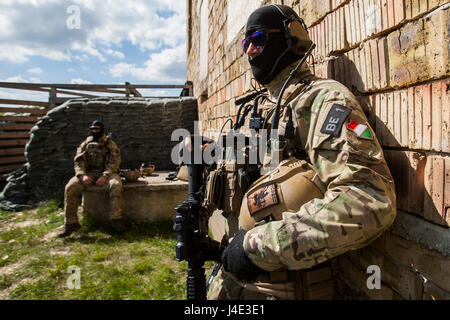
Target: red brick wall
(394,56)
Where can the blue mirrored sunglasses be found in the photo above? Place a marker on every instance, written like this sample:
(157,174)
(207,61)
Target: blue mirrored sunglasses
(258,38)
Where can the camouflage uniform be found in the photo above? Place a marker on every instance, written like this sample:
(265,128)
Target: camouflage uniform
(95,158)
(359,201)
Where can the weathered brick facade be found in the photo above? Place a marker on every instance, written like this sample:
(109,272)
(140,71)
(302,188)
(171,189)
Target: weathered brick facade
(394,56)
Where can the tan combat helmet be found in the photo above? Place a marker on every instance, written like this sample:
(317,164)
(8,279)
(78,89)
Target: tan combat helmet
(286,188)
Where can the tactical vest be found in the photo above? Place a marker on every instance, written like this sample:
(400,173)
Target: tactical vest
(96,156)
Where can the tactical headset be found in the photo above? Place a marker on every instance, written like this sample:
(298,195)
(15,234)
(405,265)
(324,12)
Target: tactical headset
(295,30)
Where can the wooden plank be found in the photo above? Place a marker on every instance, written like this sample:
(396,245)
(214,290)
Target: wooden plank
(13,142)
(12,151)
(24,102)
(19,118)
(14,135)
(35,111)
(15,159)
(16,126)
(10,167)
(76,93)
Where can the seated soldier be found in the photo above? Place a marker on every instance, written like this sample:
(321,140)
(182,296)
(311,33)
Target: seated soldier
(96,162)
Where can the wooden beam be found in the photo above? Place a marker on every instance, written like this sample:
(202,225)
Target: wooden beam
(12,151)
(15,135)
(76,93)
(24,110)
(16,126)
(15,159)
(19,118)
(13,143)
(89,86)
(10,167)
(24,102)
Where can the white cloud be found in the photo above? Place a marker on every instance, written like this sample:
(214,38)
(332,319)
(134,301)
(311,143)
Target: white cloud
(80,81)
(167,65)
(38,28)
(35,70)
(115,53)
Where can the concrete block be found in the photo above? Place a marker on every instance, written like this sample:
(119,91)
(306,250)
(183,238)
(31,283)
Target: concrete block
(402,279)
(431,291)
(358,278)
(146,200)
(419,258)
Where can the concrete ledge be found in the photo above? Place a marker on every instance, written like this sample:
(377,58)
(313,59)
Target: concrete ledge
(415,229)
(146,200)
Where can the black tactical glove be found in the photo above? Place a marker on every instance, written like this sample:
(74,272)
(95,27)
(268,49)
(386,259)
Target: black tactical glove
(236,261)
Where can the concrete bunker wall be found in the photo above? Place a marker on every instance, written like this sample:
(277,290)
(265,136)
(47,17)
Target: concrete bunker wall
(141,127)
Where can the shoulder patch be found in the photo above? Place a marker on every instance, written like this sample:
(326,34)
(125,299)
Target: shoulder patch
(335,119)
(262,198)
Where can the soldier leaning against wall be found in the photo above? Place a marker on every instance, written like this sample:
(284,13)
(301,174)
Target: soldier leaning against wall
(335,153)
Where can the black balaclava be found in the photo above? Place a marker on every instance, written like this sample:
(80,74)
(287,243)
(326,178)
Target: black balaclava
(265,66)
(97,135)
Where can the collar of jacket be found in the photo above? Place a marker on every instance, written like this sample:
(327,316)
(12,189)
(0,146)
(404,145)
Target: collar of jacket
(102,139)
(274,87)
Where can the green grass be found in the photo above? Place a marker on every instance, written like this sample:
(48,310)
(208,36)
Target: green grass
(139,264)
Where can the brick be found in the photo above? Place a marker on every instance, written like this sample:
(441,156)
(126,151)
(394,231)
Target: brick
(426,116)
(397,118)
(436,116)
(436,42)
(445,116)
(391,141)
(341,39)
(406,54)
(399,11)
(418,114)
(404,141)
(385,14)
(375,61)
(362,18)
(369,68)
(347,20)
(435,176)
(312,11)
(411,119)
(382,58)
(407,169)
(390,13)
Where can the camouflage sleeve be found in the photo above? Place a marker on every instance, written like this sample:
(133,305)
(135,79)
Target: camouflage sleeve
(358,204)
(113,159)
(79,160)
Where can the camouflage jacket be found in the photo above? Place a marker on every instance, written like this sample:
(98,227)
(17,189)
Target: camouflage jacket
(97,158)
(359,198)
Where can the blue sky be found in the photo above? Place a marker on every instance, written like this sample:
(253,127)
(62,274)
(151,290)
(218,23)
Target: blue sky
(92,41)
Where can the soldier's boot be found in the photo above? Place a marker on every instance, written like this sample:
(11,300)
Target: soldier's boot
(69,229)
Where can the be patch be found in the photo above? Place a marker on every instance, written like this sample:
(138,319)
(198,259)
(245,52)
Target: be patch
(335,119)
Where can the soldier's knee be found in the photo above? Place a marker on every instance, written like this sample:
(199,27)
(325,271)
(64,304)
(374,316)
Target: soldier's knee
(73,186)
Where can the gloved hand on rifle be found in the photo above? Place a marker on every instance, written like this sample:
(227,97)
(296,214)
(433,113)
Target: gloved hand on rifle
(236,261)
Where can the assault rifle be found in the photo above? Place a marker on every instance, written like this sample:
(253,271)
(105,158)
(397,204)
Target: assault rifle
(194,245)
